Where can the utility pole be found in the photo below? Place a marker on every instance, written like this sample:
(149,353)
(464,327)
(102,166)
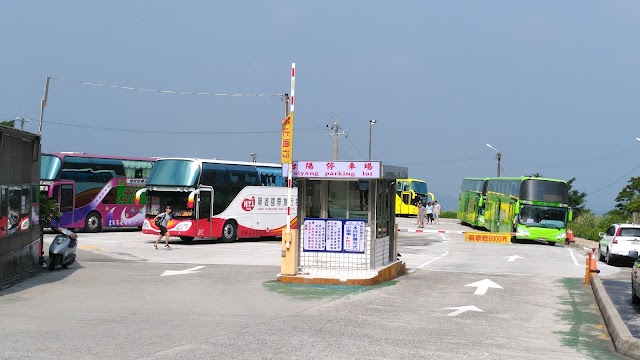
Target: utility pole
(337,131)
(22,120)
(498,156)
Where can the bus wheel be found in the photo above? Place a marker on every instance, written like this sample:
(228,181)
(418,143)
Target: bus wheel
(551,243)
(186,239)
(93,222)
(229,231)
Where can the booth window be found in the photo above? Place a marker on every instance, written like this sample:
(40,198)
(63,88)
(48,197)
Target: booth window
(348,200)
(312,205)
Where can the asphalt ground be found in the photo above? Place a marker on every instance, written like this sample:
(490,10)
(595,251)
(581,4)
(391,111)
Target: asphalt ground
(618,288)
(115,303)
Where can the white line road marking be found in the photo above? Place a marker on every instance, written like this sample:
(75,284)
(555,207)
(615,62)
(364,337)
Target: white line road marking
(573,257)
(411,271)
(462,309)
(182,272)
(483,286)
(443,237)
(432,260)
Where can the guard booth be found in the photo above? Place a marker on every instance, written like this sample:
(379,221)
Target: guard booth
(346,224)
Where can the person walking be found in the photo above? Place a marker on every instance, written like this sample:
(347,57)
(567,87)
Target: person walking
(429,213)
(436,212)
(162,220)
(421,212)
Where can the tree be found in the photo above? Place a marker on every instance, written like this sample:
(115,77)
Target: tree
(576,198)
(48,210)
(629,197)
(534,175)
(10,123)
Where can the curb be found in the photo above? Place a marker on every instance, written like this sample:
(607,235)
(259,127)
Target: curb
(624,342)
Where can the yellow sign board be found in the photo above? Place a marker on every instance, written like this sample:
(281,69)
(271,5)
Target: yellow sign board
(287,139)
(499,238)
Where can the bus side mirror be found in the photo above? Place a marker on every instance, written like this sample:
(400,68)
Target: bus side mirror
(570,215)
(601,234)
(633,254)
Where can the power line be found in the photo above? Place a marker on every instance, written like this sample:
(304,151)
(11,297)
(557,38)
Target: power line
(347,156)
(142,131)
(175,92)
(582,162)
(358,150)
(447,161)
(613,183)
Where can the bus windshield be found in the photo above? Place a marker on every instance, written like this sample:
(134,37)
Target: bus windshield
(49,167)
(543,190)
(419,187)
(174,173)
(543,216)
(159,200)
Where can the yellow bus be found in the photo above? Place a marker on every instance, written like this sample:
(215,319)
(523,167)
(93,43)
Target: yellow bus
(408,193)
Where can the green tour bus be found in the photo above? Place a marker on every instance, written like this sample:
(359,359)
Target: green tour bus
(471,201)
(534,209)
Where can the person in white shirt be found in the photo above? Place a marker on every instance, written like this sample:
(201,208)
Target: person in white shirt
(436,212)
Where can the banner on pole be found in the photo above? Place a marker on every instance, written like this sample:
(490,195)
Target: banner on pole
(287,139)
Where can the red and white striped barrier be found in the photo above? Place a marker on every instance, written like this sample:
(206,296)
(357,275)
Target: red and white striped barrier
(433,231)
(427,231)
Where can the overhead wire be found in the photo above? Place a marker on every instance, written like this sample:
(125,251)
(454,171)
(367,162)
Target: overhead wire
(613,183)
(582,162)
(176,92)
(358,150)
(448,161)
(172,132)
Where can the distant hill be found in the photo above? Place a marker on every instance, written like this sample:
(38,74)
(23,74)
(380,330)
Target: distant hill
(447,202)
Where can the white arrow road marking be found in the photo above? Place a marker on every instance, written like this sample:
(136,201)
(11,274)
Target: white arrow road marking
(462,309)
(514,257)
(182,272)
(483,286)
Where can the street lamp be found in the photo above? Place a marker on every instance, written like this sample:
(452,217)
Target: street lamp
(498,156)
(371,123)
(637,139)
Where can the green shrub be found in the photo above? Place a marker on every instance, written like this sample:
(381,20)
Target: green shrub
(449,215)
(588,226)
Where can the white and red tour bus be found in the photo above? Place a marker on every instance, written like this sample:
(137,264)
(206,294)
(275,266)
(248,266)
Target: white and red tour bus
(218,199)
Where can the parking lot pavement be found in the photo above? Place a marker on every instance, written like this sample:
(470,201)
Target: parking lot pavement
(101,308)
(618,287)
(449,252)
(135,246)
(219,300)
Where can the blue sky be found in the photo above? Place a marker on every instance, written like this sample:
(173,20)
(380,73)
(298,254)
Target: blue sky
(553,85)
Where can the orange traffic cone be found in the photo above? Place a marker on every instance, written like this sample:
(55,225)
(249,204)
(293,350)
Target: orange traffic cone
(570,236)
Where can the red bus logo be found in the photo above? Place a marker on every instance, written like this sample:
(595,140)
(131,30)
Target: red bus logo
(248,203)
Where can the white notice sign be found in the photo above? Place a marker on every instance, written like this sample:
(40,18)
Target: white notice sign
(334,235)
(354,236)
(314,235)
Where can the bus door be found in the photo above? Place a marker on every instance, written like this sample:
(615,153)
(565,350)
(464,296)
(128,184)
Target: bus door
(64,192)
(405,195)
(204,210)
(496,217)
